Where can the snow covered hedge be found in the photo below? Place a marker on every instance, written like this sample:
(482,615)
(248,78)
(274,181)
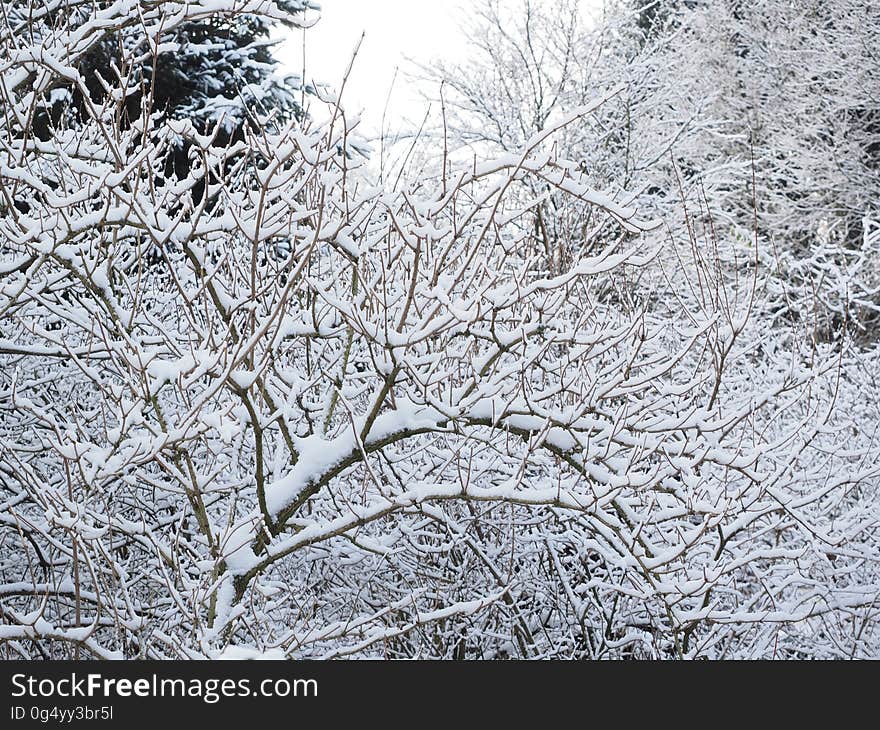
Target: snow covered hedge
(267,405)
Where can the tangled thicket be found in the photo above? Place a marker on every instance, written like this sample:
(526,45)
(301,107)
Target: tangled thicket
(263,403)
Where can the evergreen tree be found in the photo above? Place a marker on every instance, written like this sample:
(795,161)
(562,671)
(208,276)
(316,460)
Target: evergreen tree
(224,67)
(217,70)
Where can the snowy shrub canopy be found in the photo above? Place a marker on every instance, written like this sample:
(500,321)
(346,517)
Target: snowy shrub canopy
(258,401)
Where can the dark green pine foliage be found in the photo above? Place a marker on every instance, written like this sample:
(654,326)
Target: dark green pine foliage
(219,71)
(223,68)
(223,72)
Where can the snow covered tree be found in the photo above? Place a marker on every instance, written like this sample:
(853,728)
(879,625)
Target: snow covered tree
(756,116)
(224,68)
(334,419)
(795,148)
(212,70)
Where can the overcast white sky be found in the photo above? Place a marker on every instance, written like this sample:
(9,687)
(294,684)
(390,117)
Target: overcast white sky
(394,30)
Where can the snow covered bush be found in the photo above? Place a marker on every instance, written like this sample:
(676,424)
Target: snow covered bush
(265,405)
